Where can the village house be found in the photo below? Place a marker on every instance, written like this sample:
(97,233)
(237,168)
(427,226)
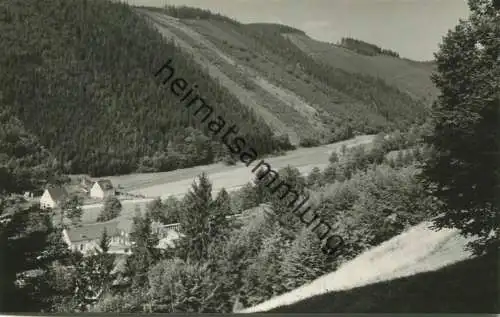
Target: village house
(53,197)
(85,238)
(102,189)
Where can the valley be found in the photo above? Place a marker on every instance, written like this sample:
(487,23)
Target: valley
(231,178)
(176,182)
(116,198)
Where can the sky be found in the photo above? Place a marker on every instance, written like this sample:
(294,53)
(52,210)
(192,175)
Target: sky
(413,28)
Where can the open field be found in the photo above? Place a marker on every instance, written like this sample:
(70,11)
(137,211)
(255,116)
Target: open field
(91,213)
(230,177)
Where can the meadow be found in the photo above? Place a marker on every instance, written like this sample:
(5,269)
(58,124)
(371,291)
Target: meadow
(177,182)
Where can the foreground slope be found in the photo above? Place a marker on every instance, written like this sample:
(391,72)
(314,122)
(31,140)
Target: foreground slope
(409,254)
(469,286)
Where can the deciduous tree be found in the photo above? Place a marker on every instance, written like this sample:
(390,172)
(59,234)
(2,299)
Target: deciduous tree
(72,208)
(112,209)
(464,170)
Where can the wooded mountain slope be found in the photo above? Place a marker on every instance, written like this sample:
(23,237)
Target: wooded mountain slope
(79,75)
(24,163)
(262,60)
(408,76)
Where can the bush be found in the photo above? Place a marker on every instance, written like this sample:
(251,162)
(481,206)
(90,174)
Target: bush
(112,209)
(309,142)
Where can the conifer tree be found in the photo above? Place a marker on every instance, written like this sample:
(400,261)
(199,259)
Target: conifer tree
(194,219)
(27,248)
(219,224)
(281,204)
(315,178)
(112,209)
(104,241)
(248,197)
(263,279)
(172,209)
(92,280)
(155,210)
(329,175)
(144,251)
(399,160)
(334,157)
(304,261)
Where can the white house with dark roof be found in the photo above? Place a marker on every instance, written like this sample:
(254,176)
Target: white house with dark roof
(102,189)
(53,197)
(85,238)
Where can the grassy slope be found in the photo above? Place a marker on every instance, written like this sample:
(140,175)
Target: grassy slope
(409,76)
(377,279)
(469,286)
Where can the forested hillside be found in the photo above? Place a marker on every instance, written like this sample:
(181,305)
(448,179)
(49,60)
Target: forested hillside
(24,163)
(346,101)
(358,57)
(78,74)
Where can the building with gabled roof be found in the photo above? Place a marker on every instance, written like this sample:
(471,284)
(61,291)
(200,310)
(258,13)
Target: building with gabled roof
(85,238)
(53,197)
(102,189)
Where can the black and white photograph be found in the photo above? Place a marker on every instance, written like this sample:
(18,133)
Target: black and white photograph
(249,156)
